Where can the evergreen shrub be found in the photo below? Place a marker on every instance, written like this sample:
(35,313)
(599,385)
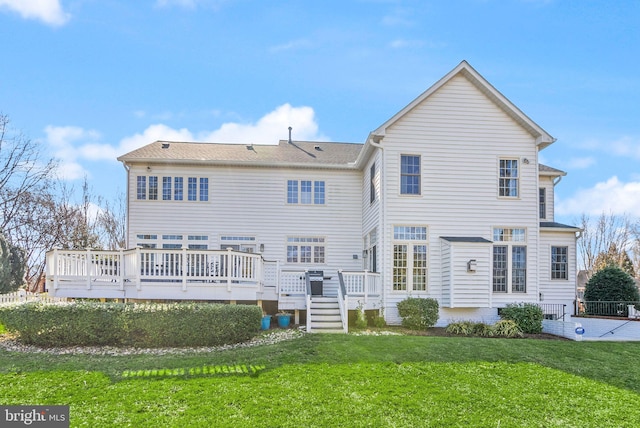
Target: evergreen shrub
(527,316)
(417,313)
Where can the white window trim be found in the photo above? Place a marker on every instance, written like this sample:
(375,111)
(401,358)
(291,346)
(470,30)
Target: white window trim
(420,176)
(519,178)
(410,243)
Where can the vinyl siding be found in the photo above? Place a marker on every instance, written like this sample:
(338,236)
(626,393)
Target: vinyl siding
(461,135)
(557,290)
(253,202)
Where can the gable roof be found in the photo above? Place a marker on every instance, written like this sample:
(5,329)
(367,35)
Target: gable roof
(543,139)
(296,153)
(547,170)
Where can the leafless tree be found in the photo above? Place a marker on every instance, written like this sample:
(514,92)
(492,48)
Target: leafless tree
(604,236)
(112,222)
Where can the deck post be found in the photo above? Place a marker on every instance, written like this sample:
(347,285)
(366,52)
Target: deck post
(296,316)
(229,268)
(366,286)
(184,268)
(121,268)
(55,269)
(87,268)
(139,270)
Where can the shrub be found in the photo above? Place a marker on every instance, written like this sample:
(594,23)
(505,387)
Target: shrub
(418,314)
(461,327)
(482,329)
(361,319)
(146,325)
(528,316)
(507,328)
(611,284)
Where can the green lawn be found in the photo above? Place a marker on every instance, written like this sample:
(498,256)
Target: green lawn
(340,380)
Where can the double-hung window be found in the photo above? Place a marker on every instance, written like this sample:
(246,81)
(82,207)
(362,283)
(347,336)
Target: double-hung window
(178,184)
(542,202)
(372,183)
(153,188)
(509,260)
(166,188)
(301,249)
(305,192)
(559,263)
(141,187)
(409,175)
(410,260)
(509,180)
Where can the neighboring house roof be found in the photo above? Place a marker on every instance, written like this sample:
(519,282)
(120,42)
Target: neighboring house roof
(291,154)
(547,170)
(543,139)
(558,226)
(472,239)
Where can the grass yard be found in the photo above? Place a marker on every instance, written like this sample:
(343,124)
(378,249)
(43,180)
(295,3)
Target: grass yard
(342,380)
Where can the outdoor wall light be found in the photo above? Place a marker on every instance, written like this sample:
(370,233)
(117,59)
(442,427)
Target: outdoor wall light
(262,248)
(472,265)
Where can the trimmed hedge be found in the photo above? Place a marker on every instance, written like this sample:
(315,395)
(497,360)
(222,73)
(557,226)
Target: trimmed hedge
(128,324)
(418,314)
(528,316)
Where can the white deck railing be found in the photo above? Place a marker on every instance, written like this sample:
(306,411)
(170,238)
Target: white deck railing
(139,265)
(362,283)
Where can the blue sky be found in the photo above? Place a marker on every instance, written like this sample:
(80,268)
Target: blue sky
(93,79)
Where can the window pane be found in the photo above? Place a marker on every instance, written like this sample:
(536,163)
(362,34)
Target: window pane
(519,266)
(142,187)
(419,267)
(400,267)
(305,192)
(318,254)
(318,192)
(292,253)
(559,263)
(192,189)
(204,189)
(500,269)
(166,188)
(153,188)
(177,191)
(372,183)
(508,181)
(305,254)
(542,195)
(410,175)
(292,191)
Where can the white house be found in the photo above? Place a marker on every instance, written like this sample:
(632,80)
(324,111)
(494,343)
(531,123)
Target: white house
(445,200)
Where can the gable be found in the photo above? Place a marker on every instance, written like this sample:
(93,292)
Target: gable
(463,78)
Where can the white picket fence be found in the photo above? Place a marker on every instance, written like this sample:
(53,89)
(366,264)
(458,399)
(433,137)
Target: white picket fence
(24,296)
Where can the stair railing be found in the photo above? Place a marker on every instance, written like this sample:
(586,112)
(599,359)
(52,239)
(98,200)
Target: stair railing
(308,296)
(343,302)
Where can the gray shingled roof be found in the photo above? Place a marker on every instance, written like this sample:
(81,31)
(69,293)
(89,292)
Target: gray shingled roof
(285,153)
(547,170)
(554,225)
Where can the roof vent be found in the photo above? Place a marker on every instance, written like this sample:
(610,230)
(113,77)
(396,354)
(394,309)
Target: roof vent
(290,128)
(165,145)
(317,148)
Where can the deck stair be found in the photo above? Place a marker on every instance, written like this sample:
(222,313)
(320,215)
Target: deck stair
(325,315)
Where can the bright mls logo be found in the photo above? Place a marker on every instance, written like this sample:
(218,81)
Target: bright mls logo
(34,416)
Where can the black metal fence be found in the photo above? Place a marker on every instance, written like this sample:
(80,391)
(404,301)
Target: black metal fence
(553,311)
(605,309)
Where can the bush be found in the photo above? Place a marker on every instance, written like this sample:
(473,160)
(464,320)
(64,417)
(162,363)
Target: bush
(527,316)
(145,325)
(507,328)
(464,328)
(611,284)
(12,266)
(418,314)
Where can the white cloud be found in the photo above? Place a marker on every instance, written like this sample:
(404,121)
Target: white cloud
(270,128)
(72,144)
(579,163)
(625,146)
(48,11)
(291,45)
(611,196)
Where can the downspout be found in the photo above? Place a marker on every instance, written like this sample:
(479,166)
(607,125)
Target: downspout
(127,168)
(382,217)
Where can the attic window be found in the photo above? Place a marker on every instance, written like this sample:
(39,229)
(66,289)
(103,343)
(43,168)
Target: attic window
(165,145)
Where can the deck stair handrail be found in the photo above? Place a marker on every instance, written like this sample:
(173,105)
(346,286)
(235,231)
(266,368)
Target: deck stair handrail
(307,278)
(362,283)
(343,302)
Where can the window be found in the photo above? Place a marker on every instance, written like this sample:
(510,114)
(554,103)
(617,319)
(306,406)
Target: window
(542,197)
(410,175)
(305,250)
(153,188)
(141,187)
(410,259)
(509,178)
(509,260)
(559,263)
(177,188)
(192,188)
(305,192)
(239,243)
(198,238)
(166,188)
(370,251)
(372,183)
(204,189)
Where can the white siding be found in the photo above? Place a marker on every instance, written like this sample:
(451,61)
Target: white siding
(461,135)
(470,289)
(557,290)
(446,251)
(547,184)
(253,202)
